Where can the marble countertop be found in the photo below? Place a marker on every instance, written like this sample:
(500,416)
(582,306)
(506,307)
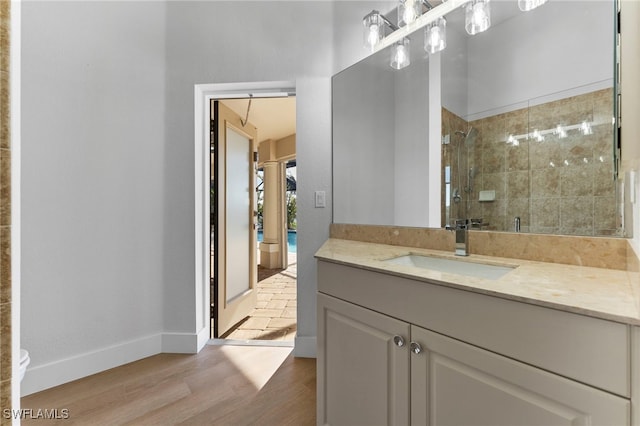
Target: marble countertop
(596,292)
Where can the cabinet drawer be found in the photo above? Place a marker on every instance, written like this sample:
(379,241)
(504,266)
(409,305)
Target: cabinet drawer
(586,349)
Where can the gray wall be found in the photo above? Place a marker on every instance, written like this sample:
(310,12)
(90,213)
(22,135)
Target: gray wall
(93,164)
(108,165)
(221,42)
(563,46)
(411,141)
(363,145)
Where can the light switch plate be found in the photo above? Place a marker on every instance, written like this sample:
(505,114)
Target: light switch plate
(320,199)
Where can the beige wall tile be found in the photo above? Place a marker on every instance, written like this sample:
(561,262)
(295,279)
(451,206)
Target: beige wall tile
(5,25)
(599,252)
(517,184)
(517,157)
(5,394)
(576,215)
(545,183)
(517,207)
(5,132)
(545,215)
(5,341)
(604,212)
(5,264)
(5,212)
(576,181)
(5,187)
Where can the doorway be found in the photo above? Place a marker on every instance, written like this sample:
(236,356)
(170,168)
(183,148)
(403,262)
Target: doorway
(253,263)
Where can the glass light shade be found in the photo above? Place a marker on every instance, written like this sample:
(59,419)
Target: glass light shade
(408,11)
(435,36)
(373,29)
(585,128)
(400,54)
(527,5)
(477,16)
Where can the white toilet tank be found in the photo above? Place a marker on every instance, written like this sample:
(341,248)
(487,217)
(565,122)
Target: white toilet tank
(24,362)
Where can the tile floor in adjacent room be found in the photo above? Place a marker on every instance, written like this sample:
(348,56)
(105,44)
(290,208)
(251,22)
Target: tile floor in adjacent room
(275,315)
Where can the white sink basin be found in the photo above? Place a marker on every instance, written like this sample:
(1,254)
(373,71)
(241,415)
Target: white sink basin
(452,266)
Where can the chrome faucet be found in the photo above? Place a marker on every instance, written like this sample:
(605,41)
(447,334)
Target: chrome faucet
(461,228)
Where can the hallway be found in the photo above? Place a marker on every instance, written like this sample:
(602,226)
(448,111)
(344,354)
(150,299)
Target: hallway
(275,315)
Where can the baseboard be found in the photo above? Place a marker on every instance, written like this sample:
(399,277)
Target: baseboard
(185,343)
(56,373)
(46,376)
(305,347)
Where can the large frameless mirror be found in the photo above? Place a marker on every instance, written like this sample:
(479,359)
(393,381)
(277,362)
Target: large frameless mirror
(512,128)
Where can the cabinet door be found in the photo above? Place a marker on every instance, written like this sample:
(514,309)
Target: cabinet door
(454,383)
(363,375)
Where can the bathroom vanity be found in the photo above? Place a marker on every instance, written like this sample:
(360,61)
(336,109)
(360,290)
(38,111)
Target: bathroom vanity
(404,343)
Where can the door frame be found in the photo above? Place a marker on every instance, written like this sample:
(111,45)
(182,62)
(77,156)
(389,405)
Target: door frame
(203,94)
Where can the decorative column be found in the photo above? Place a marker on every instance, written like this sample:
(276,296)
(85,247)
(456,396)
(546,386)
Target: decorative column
(272,245)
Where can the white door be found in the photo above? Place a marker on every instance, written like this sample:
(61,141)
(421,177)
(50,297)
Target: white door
(235,286)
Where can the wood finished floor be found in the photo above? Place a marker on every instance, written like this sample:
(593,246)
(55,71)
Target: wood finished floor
(222,385)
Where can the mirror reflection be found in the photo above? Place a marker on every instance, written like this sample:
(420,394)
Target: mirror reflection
(511,128)
(528,146)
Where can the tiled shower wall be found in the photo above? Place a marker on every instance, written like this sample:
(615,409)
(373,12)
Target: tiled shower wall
(5,215)
(556,184)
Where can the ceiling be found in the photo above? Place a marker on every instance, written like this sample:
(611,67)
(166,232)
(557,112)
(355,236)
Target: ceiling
(275,118)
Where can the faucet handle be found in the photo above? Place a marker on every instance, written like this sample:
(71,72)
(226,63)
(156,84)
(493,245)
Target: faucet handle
(462,223)
(458,225)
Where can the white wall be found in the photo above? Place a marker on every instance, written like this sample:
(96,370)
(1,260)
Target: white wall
(562,46)
(348,30)
(411,141)
(93,107)
(220,42)
(454,68)
(363,143)
(108,166)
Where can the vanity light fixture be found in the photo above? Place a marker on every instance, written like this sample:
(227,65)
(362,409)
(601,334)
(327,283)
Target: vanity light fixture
(527,5)
(400,54)
(586,128)
(477,17)
(561,132)
(435,36)
(408,11)
(374,24)
(537,135)
(412,16)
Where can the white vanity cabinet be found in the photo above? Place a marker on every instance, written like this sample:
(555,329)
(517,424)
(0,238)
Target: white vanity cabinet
(383,363)
(364,360)
(453,383)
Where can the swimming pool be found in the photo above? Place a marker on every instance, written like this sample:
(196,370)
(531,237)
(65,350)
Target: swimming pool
(292,239)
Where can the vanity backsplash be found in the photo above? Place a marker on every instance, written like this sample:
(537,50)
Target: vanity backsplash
(599,252)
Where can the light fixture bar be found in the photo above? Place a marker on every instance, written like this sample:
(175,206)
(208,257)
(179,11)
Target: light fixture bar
(586,127)
(421,22)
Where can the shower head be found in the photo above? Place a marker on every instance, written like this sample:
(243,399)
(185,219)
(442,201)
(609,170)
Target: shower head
(469,136)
